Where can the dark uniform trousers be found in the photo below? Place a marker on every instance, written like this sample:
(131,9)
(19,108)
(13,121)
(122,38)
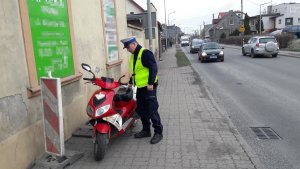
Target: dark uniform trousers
(147,107)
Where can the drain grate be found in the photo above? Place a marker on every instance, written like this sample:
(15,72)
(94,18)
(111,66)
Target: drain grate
(264,133)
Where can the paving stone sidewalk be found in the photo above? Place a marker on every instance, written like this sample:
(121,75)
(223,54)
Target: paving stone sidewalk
(197,135)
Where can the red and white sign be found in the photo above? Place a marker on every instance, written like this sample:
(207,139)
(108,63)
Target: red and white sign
(53,116)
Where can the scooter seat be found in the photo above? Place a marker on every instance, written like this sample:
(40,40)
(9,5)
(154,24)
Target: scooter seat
(123,94)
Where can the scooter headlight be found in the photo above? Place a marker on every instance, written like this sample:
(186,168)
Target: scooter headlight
(102,110)
(204,54)
(89,110)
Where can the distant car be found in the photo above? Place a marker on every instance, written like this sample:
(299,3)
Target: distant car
(261,45)
(292,29)
(184,41)
(195,45)
(211,51)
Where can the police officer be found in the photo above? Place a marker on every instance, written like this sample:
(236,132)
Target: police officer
(143,68)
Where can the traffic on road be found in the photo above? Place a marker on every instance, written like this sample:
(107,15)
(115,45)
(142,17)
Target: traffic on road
(261,93)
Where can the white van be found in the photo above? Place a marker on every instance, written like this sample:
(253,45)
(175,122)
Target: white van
(184,41)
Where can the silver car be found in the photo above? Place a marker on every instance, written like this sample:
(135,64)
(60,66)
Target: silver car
(261,45)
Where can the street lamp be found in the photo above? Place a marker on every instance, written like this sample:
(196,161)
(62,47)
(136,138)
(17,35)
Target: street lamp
(260,15)
(172,21)
(169,16)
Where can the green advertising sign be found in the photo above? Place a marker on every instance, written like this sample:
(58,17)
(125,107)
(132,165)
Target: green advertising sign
(49,23)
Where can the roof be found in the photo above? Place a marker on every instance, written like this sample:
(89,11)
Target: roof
(141,8)
(222,14)
(137,5)
(272,15)
(215,21)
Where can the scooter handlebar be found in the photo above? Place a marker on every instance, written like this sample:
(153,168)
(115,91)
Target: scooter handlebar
(89,79)
(119,81)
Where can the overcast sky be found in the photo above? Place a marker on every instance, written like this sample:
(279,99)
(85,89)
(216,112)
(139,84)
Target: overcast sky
(190,14)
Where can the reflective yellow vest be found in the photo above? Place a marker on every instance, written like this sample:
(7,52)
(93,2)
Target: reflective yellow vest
(141,73)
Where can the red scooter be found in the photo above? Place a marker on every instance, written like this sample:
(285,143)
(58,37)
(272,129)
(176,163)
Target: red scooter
(111,113)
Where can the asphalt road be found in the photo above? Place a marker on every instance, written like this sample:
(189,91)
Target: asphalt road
(259,92)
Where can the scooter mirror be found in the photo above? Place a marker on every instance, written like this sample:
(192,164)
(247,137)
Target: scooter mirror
(86,67)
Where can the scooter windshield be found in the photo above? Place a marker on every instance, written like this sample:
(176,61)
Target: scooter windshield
(107,83)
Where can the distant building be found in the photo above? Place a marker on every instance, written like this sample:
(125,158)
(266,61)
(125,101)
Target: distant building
(289,14)
(173,33)
(277,17)
(228,23)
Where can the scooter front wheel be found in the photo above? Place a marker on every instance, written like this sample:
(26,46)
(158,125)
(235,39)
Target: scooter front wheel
(100,146)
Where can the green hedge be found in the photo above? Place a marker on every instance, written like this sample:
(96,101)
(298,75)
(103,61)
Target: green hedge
(237,40)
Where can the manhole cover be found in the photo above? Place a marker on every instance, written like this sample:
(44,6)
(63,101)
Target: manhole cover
(264,133)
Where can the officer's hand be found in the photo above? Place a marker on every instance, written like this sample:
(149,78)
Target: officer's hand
(129,86)
(150,87)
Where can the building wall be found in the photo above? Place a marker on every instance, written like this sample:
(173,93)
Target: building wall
(21,129)
(268,23)
(252,23)
(225,26)
(289,11)
(138,32)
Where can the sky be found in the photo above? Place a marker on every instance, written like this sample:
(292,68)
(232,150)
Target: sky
(190,14)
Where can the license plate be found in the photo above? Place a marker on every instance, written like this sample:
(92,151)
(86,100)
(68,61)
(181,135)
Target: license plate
(213,57)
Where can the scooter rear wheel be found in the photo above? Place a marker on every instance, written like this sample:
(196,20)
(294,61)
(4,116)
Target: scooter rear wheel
(100,146)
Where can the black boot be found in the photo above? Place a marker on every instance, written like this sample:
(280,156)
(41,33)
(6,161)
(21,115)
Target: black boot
(156,138)
(142,134)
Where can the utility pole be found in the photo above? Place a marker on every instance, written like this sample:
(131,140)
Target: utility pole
(200,32)
(242,18)
(260,19)
(242,9)
(149,24)
(203,30)
(166,35)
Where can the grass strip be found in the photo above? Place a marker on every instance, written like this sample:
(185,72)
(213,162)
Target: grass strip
(182,60)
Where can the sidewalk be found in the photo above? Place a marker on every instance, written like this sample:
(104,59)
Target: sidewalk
(281,52)
(196,134)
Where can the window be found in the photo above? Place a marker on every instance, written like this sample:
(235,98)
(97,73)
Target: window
(298,20)
(252,23)
(288,21)
(250,40)
(231,21)
(265,40)
(111,38)
(48,39)
(279,21)
(253,40)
